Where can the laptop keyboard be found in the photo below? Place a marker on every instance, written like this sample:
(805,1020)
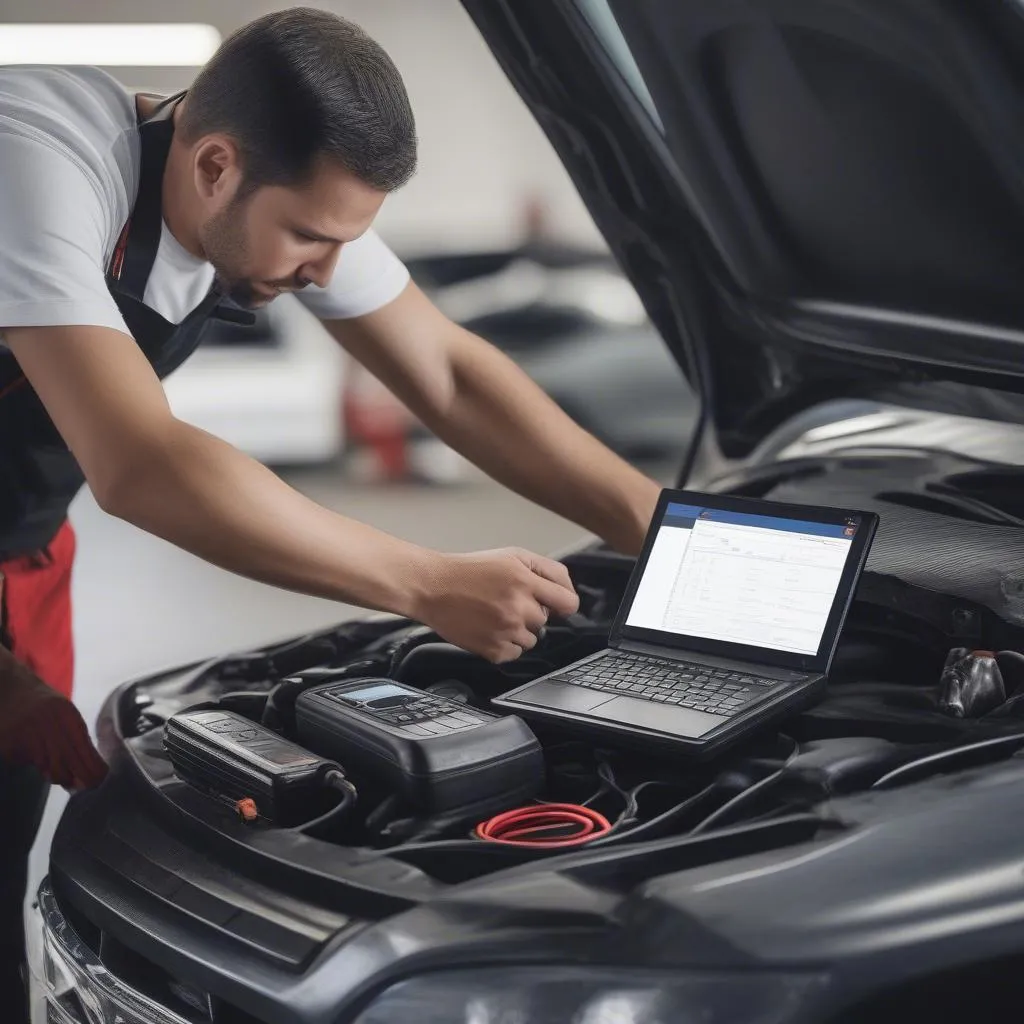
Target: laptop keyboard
(718,691)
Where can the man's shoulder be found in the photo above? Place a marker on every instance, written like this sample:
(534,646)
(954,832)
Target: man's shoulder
(47,95)
(82,113)
(66,187)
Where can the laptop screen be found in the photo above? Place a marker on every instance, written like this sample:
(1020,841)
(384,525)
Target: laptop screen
(761,581)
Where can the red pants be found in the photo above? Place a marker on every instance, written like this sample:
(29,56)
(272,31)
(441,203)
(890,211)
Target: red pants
(36,606)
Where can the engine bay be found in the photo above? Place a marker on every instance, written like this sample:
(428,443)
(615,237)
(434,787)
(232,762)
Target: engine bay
(888,717)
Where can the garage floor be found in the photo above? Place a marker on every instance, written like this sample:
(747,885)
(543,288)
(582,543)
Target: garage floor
(142,605)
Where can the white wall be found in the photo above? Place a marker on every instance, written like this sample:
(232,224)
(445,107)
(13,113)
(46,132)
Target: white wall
(481,152)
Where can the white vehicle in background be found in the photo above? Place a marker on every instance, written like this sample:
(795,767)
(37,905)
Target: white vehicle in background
(273,390)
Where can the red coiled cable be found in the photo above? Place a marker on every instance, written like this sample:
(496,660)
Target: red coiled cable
(544,825)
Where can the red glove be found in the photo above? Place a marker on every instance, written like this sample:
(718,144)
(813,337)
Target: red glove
(40,727)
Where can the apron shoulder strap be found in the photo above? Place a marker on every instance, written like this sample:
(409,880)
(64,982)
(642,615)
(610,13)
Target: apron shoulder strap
(137,245)
(139,242)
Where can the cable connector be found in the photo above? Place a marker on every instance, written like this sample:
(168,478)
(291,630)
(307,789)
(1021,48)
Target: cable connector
(247,810)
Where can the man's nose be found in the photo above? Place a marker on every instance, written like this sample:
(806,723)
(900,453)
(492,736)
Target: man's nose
(320,272)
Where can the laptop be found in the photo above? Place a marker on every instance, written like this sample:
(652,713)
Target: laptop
(730,621)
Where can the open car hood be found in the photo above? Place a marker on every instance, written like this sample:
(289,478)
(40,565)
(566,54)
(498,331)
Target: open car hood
(815,199)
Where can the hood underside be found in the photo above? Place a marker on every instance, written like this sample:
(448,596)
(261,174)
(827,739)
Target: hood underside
(814,198)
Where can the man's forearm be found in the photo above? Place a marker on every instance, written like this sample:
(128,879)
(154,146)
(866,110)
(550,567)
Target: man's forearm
(200,494)
(503,422)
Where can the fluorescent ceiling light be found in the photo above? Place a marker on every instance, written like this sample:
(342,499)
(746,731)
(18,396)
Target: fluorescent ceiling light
(109,45)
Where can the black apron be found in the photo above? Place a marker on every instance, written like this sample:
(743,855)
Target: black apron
(38,474)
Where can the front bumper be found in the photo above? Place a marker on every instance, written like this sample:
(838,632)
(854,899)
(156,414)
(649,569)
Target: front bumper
(69,985)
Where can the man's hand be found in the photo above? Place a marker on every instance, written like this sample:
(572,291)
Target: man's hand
(494,603)
(40,727)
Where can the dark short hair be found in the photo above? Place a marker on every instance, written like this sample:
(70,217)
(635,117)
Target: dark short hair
(299,84)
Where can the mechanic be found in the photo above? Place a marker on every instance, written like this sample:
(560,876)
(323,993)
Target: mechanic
(128,222)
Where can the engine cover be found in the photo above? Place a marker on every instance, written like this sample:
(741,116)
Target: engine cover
(947,527)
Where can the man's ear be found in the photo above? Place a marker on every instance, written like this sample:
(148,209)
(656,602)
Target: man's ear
(217,165)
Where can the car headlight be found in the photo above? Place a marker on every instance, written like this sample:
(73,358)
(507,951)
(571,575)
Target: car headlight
(69,985)
(579,995)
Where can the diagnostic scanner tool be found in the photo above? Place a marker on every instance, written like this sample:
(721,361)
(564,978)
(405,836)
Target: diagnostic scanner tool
(231,756)
(436,752)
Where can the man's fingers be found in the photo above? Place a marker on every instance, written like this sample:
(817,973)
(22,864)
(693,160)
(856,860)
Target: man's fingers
(549,569)
(555,597)
(524,639)
(554,590)
(508,652)
(536,619)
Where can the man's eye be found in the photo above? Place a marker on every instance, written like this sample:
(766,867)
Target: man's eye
(304,236)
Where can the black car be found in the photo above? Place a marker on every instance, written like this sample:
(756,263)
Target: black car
(819,201)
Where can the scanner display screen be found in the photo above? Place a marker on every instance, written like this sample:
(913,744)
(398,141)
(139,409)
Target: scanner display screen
(372,693)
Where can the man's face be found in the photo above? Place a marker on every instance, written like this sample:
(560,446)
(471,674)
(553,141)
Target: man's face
(277,239)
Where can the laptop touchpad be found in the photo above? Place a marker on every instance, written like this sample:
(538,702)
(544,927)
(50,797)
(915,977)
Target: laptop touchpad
(563,697)
(661,717)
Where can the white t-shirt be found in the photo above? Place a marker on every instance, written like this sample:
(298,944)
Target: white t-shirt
(69,175)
